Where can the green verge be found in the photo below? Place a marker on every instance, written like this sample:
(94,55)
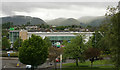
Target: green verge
(97,65)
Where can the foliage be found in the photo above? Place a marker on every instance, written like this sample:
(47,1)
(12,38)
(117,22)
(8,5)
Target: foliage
(115,38)
(98,41)
(75,49)
(54,53)
(34,51)
(95,47)
(112,34)
(7,25)
(5,43)
(95,39)
(11,54)
(17,43)
(43,26)
(28,23)
(60,27)
(14,54)
(5,33)
(92,53)
(49,44)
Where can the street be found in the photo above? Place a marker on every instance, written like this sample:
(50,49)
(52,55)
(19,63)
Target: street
(12,63)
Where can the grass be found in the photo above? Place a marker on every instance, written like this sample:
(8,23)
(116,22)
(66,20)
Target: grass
(97,65)
(88,63)
(87,69)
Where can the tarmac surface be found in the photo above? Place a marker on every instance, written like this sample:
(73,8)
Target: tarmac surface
(11,63)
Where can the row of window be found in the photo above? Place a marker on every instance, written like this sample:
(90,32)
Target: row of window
(61,37)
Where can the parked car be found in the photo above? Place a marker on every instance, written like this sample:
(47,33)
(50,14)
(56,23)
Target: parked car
(28,66)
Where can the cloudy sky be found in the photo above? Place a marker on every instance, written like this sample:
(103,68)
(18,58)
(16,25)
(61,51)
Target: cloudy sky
(52,10)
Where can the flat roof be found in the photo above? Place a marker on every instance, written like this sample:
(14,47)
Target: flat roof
(14,30)
(59,32)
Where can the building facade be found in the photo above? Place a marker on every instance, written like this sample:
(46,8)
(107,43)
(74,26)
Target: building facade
(60,36)
(53,36)
(23,34)
(13,35)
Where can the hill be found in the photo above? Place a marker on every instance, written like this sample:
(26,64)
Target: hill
(19,20)
(55,22)
(64,22)
(92,21)
(83,21)
(69,21)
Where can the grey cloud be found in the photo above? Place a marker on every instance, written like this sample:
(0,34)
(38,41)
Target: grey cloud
(8,8)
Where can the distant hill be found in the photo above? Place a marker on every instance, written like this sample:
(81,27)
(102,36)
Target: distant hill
(92,21)
(19,20)
(64,22)
(55,22)
(83,21)
(69,21)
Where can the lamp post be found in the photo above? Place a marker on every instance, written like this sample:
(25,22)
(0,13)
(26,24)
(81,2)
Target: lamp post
(60,61)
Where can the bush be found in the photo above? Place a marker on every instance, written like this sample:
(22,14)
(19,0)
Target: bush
(14,54)
(5,55)
(11,54)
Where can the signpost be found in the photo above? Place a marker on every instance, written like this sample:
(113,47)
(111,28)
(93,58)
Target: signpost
(58,44)
(11,28)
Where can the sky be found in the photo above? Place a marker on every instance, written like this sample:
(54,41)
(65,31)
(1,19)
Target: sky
(53,10)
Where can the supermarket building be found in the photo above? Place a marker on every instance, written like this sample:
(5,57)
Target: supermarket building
(53,36)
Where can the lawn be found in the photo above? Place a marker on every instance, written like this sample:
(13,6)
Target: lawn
(97,65)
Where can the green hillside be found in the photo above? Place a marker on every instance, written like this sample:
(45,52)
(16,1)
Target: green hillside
(92,21)
(83,21)
(69,21)
(55,22)
(19,20)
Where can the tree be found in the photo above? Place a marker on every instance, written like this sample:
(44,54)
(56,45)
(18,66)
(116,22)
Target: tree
(49,44)
(98,41)
(54,53)
(92,54)
(7,25)
(17,43)
(34,51)
(112,34)
(5,33)
(95,39)
(5,43)
(28,23)
(75,49)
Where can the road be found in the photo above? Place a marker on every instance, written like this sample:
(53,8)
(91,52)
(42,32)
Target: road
(12,62)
